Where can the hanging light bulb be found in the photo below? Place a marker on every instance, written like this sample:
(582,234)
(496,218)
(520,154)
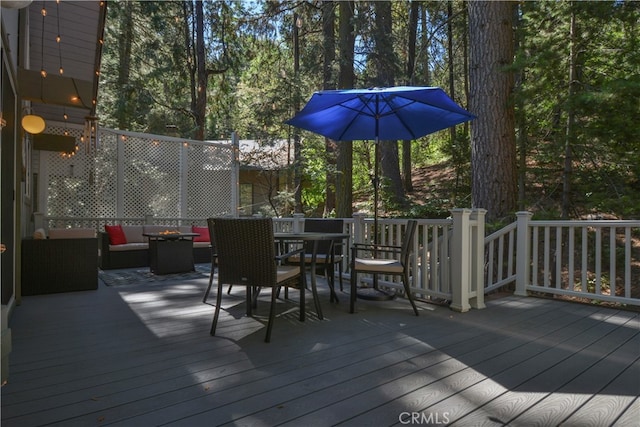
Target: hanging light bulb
(58,38)
(43,71)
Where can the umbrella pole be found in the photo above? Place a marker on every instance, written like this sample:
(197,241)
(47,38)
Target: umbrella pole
(375,293)
(375,193)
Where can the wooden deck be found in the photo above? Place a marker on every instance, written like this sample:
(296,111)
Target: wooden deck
(141,355)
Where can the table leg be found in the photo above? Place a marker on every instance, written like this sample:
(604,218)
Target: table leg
(314,288)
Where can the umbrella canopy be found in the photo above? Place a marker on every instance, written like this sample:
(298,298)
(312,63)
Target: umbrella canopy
(403,112)
(392,113)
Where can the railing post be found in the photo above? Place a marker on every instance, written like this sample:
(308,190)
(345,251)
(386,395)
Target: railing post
(358,227)
(38,220)
(460,242)
(477,258)
(523,266)
(298,222)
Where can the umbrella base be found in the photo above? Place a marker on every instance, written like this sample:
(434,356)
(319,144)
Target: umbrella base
(373,294)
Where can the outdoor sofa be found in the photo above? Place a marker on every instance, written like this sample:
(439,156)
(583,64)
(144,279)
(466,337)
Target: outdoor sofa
(66,260)
(126,246)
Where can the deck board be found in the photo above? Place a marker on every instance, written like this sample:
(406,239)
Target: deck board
(141,355)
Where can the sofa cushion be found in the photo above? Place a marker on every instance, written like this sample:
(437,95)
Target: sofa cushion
(129,247)
(204,234)
(116,234)
(72,233)
(133,233)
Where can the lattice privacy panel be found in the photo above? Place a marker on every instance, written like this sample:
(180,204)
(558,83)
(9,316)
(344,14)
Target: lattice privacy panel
(133,175)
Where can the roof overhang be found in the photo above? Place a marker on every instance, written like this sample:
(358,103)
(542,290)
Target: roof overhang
(80,25)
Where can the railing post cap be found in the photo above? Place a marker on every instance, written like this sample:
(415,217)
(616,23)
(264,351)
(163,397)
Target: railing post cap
(524,213)
(460,212)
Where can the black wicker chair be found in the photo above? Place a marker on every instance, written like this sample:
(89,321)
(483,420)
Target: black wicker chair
(246,257)
(386,260)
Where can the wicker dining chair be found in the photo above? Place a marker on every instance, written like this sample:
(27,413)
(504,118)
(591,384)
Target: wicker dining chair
(384,260)
(246,257)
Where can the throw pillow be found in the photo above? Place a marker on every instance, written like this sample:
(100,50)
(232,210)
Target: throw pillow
(203,234)
(39,234)
(116,235)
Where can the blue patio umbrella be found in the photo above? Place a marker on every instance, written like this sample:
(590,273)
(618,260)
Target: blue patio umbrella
(392,113)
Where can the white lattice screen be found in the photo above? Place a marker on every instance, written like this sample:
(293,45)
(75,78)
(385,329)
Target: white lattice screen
(133,175)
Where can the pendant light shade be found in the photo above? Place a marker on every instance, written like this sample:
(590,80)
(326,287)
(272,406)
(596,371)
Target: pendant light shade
(33,124)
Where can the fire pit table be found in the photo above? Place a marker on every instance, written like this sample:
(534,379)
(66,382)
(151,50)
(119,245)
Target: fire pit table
(171,252)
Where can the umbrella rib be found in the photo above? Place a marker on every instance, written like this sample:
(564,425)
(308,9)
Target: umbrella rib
(394,110)
(365,106)
(413,135)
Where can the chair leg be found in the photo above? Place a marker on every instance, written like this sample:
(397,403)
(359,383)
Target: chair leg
(272,315)
(249,298)
(303,297)
(314,292)
(405,282)
(206,294)
(252,298)
(330,275)
(352,297)
(216,314)
(340,276)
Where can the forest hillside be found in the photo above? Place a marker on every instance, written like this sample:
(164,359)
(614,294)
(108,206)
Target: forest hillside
(440,187)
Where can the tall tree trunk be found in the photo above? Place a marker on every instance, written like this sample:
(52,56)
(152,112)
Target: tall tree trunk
(571,118)
(521,123)
(493,159)
(384,56)
(329,48)
(201,89)
(452,93)
(189,31)
(424,45)
(297,145)
(411,59)
(124,69)
(346,78)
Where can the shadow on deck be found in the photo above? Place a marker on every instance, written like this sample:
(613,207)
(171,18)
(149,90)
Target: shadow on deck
(139,353)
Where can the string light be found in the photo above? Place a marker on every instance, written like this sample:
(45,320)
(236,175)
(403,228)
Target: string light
(43,71)
(58,38)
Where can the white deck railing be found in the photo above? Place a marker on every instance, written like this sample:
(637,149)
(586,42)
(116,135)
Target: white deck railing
(452,259)
(596,260)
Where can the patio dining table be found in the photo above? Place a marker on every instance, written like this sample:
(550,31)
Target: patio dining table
(315,237)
